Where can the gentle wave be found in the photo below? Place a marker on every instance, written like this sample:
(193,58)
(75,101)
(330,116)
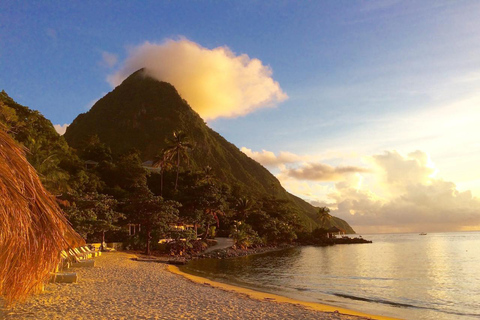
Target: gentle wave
(428,278)
(392,303)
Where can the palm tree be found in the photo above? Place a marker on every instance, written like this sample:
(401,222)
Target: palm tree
(177,149)
(162,163)
(324,217)
(243,208)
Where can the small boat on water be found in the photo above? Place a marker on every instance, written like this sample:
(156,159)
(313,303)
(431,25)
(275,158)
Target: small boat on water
(423,234)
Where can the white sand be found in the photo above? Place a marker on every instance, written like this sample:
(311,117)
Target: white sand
(119,288)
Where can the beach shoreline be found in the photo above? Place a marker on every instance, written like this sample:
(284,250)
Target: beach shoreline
(264,296)
(119,287)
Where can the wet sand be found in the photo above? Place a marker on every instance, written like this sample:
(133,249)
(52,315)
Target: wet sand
(120,288)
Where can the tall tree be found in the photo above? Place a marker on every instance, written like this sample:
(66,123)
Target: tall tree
(95,212)
(107,217)
(163,163)
(177,149)
(204,199)
(274,220)
(324,217)
(153,213)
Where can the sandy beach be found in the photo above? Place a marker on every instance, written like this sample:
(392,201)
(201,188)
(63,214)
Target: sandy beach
(120,288)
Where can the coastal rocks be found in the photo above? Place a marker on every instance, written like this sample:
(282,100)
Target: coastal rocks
(347,240)
(333,241)
(175,260)
(236,252)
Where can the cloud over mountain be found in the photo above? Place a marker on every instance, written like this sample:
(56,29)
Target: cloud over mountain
(215,82)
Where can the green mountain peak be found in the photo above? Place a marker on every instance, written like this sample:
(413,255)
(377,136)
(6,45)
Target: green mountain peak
(142,113)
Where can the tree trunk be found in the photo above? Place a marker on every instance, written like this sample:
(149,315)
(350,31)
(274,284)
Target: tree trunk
(103,239)
(178,169)
(149,238)
(206,231)
(161,182)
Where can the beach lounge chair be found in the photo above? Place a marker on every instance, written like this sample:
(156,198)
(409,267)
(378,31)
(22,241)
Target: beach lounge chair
(92,252)
(75,259)
(64,277)
(96,246)
(83,254)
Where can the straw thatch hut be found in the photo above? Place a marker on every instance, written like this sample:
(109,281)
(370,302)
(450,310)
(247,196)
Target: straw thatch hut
(334,231)
(33,229)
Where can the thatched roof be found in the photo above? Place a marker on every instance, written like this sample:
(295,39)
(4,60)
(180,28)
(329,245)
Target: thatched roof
(33,229)
(335,229)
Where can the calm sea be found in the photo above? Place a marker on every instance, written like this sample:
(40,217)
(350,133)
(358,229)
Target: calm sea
(409,276)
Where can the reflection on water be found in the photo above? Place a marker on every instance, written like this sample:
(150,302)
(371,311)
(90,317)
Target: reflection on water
(401,275)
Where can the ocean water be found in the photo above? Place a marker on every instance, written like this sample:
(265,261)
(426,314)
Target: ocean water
(408,276)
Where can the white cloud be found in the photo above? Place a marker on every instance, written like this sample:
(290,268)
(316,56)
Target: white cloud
(215,82)
(109,59)
(61,128)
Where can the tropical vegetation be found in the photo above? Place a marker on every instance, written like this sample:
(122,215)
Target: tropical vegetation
(196,177)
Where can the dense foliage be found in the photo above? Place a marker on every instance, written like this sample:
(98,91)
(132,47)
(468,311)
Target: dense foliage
(57,164)
(142,113)
(196,177)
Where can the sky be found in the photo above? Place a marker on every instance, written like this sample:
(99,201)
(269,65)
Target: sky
(368,107)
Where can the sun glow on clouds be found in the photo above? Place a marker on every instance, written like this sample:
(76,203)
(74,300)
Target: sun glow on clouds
(417,201)
(268,158)
(395,193)
(215,82)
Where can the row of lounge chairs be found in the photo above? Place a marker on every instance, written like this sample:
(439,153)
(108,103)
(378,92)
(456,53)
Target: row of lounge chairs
(74,258)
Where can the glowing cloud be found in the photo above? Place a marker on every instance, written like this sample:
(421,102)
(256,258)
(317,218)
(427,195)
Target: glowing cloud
(301,167)
(417,201)
(401,172)
(394,193)
(268,158)
(215,82)
(322,172)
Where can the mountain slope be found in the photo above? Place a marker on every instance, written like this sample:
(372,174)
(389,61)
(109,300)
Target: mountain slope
(142,112)
(48,152)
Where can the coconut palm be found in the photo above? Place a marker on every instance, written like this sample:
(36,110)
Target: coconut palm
(324,217)
(177,149)
(162,163)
